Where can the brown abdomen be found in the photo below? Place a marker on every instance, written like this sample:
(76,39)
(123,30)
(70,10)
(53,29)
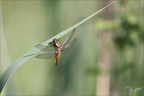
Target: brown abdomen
(57,56)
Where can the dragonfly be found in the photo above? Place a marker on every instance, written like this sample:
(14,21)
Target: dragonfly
(54,48)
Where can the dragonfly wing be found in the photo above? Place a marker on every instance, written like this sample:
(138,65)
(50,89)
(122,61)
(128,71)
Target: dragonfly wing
(44,48)
(45,56)
(69,37)
(70,44)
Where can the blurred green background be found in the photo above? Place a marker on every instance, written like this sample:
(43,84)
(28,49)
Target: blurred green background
(107,57)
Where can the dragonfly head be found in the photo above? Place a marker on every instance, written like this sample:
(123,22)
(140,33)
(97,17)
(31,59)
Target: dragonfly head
(56,43)
(55,40)
(52,44)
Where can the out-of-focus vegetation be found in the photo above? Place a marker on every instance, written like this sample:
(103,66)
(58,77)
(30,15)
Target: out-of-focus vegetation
(27,23)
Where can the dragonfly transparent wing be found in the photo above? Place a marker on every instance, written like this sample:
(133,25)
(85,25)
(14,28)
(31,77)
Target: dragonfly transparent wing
(44,48)
(69,37)
(45,56)
(70,44)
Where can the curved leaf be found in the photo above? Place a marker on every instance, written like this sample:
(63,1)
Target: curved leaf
(13,67)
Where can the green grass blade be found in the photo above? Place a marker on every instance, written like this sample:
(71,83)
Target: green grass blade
(13,67)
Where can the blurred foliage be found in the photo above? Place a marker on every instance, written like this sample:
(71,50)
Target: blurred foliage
(128,40)
(128,32)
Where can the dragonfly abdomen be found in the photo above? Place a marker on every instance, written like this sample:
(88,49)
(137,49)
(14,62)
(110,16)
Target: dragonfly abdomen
(57,56)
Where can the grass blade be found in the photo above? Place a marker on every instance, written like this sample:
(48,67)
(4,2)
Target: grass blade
(13,67)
